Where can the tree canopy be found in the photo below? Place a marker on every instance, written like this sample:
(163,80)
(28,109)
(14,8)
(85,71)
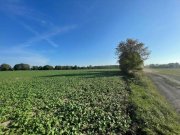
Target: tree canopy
(5,67)
(22,66)
(48,67)
(131,55)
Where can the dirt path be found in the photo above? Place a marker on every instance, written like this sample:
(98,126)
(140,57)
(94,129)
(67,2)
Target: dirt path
(167,86)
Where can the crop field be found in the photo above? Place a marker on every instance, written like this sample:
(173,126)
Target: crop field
(173,73)
(82,102)
(63,102)
(168,71)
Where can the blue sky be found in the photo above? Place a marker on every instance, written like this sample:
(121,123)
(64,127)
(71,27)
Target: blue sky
(86,32)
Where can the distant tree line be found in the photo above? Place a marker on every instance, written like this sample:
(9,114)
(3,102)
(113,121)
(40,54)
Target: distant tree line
(22,66)
(169,65)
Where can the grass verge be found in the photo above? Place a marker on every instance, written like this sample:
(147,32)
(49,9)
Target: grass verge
(151,114)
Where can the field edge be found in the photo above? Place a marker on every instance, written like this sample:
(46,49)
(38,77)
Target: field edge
(151,114)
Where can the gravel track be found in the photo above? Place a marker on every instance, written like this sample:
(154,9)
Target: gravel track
(168,86)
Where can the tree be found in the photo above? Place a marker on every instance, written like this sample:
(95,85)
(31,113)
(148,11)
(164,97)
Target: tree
(5,67)
(34,68)
(89,67)
(58,67)
(75,67)
(40,68)
(22,67)
(48,67)
(131,55)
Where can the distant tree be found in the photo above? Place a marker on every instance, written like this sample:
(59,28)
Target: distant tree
(48,67)
(82,67)
(40,68)
(169,65)
(131,55)
(22,67)
(5,67)
(58,67)
(75,67)
(89,67)
(67,67)
(35,68)
(62,68)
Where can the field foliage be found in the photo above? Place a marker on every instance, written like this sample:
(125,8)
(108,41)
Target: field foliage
(82,102)
(63,102)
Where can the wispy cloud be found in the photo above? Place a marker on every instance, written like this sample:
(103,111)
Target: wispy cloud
(16,9)
(44,36)
(22,14)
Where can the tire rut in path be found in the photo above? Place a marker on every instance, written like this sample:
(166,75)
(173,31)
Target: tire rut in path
(171,92)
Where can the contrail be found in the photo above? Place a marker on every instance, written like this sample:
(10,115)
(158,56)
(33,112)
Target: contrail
(38,36)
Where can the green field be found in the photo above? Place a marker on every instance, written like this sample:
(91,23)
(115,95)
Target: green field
(172,73)
(167,71)
(82,102)
(53,102)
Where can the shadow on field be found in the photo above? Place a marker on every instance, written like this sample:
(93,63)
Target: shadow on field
(88,74)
